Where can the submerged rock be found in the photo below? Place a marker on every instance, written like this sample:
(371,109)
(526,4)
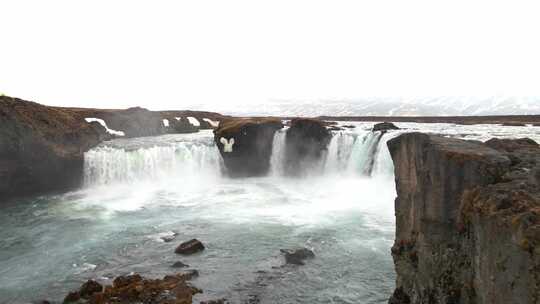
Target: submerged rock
(467,220)
(384,127)
(172,289)
(219,301)
(297,256)
(89,288)
(306,141)
(189,247)
(179,265)
(246,144)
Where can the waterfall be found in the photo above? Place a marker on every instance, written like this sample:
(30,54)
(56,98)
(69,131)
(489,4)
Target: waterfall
(339,152)
(362,153)
(108,164)
(356,153)
(277,160)
(384,166)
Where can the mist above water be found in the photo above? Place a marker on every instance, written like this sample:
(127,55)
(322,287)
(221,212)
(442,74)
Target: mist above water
(137,190)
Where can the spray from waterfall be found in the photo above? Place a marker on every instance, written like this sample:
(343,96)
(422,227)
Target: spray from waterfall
(106,165)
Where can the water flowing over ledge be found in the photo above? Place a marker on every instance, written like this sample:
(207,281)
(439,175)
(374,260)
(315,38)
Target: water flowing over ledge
(359,153)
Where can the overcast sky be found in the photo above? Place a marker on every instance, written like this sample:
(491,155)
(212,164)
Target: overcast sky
(172,54)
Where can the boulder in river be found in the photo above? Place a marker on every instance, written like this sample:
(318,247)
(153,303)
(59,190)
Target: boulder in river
(384,127)
(306,141)
(172,289)
(189,247)
(246,144)
(297,256)
(467,220)
(179,264)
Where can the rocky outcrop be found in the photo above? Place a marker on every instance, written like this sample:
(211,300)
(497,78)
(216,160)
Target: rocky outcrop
(297,256)
(172,289)
(467,220)
(134,122)
(189,247)
(42,148)
(246,145)
(306,141)
(384,127)
(181,125)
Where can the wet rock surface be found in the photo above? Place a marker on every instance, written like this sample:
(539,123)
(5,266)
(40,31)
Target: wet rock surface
(297,256)
(467,220)
(39,142)
(249,152)
(384,127)
(189,247)
(179,265)
(306,142)
(172,289)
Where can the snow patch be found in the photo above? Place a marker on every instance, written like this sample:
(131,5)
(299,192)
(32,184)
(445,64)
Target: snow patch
(166,122)
(213,123)
(194,121)
(178,118)
(102,122)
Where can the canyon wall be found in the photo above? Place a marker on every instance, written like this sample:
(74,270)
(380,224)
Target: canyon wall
(42,148)
(467,220)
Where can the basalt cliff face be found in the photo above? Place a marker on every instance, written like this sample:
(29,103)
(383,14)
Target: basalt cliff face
(467,220)
(246,144)
(307,140)
(41,148)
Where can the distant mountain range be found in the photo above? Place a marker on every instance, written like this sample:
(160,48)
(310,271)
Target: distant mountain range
(388,107)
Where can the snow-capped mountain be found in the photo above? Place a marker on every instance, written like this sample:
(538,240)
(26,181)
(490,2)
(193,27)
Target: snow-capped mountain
(390,107)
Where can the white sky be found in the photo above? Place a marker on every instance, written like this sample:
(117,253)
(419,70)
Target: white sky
(171,54)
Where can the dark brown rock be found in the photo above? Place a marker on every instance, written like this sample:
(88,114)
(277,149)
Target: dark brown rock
(42,148)
(189,247)
(72,297)
(467,220)
(384,127)
(399,297)
(89,288)
(219,301)
(297,256)
(306,141)
(181,125)
(513,124)
(172,289)
(252,148)
(179,265)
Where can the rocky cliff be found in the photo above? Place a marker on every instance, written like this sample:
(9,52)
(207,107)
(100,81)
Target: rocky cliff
(246,144)
(41,148)
(467,220)
(306,141)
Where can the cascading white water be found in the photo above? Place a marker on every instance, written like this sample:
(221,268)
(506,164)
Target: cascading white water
(277,159)
(356,153)
(362,152)
(105,165)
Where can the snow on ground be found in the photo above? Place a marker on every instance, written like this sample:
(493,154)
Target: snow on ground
(194,121)
(213,123)
(102,122)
